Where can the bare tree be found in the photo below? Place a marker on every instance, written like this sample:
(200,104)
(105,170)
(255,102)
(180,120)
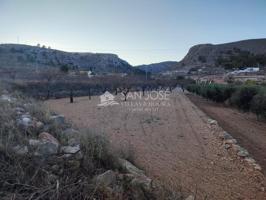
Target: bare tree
(48,76)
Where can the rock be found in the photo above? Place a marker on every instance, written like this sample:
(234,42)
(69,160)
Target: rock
(39,125)
(230,141)
(143,182)
(107,178)
(47,137)
(236,147)
(227,136)
(5,97)
(19,110)
(212,122)
(243,152)
(67,156)
(190,197)
(71,136)
(227,146)
(250,161)
(129,167)
(20,150)
(46,149)
(34,143)
(257,167)
(70,149)
(46,145)
(25,121)
(58,119)
(27,115)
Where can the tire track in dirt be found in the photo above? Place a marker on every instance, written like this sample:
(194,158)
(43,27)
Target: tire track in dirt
(190,123)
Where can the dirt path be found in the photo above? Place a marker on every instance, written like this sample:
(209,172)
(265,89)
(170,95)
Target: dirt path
(250,133)
(172,143)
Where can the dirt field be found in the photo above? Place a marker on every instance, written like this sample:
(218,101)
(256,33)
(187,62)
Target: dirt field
(173,144)
(249,132)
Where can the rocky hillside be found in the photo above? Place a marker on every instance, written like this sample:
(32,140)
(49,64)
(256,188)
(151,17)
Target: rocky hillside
(208,54)
(24,56)
(158,67)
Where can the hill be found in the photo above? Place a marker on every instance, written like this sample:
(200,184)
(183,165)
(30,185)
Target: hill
(210,54)
(158,67)
(25,56)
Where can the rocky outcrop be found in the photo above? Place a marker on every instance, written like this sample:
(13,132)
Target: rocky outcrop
(207,54)
(19,56)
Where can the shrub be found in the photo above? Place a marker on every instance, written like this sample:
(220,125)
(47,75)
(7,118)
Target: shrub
(97,151)
(215,92)
(242,97)
(258,104)
(245,97)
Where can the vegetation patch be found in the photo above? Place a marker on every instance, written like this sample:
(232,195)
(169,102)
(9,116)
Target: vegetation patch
(244,97)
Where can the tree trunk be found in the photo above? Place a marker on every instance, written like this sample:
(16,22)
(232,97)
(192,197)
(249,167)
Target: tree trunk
(71,96)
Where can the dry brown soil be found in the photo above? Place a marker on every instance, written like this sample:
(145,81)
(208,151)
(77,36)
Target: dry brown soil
(173,144)
(250,133)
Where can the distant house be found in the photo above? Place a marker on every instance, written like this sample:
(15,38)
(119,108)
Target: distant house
(90,74)
(246,70)
(87,73)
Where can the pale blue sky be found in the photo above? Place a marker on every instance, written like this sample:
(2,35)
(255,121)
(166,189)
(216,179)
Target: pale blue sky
(139,31)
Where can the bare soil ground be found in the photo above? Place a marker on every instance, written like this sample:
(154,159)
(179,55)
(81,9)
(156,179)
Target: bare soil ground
(173,144)
(250,133)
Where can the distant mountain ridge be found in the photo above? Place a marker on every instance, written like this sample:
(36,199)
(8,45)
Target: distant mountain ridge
(198,56)
(19,56)
(159,67)
(207,54)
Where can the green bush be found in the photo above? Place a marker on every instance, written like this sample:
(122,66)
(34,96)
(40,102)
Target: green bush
(215,92)
(243,96)
(258,104)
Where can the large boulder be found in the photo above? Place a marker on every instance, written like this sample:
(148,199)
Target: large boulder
(47,137)
(45,146)
(136,177)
